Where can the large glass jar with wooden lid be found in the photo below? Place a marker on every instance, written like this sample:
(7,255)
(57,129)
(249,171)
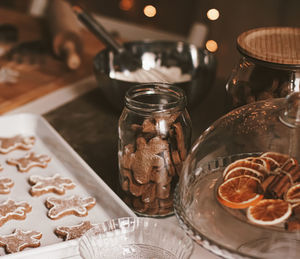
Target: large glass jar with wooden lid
(269,65)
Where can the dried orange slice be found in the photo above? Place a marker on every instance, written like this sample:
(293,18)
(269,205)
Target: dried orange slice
(260,160)
(245,163)
(269,163)
(272,163)
(278,157)
(239,171)
(269,212)
(240,192)
(293,194)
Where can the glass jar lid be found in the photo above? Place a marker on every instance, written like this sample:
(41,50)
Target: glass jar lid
(274,45)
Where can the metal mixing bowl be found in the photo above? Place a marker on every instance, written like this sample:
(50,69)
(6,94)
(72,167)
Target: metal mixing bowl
(198,63)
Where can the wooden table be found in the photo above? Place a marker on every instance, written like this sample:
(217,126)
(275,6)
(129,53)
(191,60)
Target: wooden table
(39,79)
(89,124)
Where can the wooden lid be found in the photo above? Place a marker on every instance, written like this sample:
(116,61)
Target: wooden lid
(279,45)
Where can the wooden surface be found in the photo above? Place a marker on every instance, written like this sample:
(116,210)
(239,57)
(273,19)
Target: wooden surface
(38,79)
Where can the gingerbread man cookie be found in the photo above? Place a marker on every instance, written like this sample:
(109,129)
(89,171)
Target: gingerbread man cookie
(19,240)
(73,205)
(146,157)
(75,231)
(5,185)
(13,210)
(16,142)
(29,160)
(56,184)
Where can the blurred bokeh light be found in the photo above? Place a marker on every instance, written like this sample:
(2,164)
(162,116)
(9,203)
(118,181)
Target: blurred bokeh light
(213,14)
(211,46)
(149,10)
(126,5)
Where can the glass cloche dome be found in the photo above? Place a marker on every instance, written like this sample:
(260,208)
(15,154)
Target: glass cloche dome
(239,189)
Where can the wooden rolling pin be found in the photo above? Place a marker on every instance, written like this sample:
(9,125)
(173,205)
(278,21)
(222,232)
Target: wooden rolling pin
(65,29)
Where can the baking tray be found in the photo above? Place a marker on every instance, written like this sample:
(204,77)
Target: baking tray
(66,162)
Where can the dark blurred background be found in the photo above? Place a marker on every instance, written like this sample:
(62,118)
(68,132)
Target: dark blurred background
(227,19)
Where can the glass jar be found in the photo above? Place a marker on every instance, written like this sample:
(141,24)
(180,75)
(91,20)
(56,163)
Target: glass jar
(269,65)
(154,138)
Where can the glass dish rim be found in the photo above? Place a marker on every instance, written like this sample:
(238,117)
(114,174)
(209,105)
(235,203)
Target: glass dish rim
(206,242)
(132,220)
(211,245)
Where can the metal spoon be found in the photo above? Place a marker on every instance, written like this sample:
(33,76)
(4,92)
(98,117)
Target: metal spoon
(127,60)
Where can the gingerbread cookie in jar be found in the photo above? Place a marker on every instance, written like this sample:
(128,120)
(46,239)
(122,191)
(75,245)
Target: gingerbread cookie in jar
(154,138)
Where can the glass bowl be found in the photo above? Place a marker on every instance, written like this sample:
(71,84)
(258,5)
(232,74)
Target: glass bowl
(134,237)
(271,125)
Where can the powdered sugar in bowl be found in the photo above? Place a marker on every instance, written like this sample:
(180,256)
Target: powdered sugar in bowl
(179,63)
